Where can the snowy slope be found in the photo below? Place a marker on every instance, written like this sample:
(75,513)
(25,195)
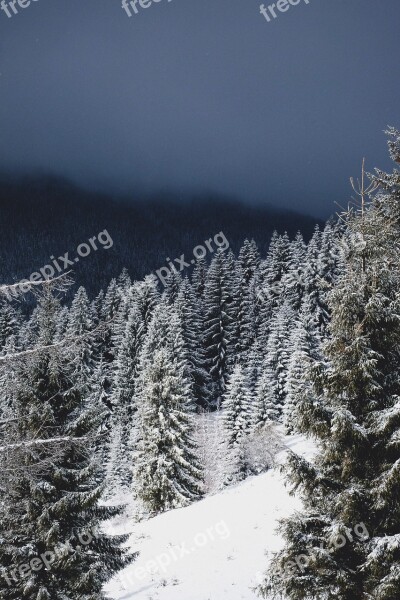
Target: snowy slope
(212,550)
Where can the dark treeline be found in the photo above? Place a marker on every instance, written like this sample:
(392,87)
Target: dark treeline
(43,217)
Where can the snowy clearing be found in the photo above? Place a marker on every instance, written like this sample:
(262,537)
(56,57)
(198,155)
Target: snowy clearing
(212,550)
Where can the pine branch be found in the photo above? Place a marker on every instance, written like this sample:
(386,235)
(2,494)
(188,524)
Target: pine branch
(39,442)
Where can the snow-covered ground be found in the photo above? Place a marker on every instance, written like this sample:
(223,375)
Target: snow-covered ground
(213,550)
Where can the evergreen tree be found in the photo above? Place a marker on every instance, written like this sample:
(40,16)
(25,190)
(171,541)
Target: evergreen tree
(78,327)
(9,322)
(245,301)
(354,414)
(189,312)
(236,417)
(254,365)
(317,276)
(271,389)
(123,396)
(100,396)
(249,260)
(124,281)
(167,474)
(270,293)
(172,286)
(145,296)
(294,280)
(263,406)
(219,322)
(113,300)
(97,307)
(53,503)
(305,349)
(199,278)
(236,412)
(164,331)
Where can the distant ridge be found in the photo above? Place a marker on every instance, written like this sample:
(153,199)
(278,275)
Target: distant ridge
(51,216)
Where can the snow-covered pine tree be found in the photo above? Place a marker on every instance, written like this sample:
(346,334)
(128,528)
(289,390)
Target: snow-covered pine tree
(89,375)
(164,331)
(219,323)
(124,281)
(233,307)
(123,398)
(249,259)
(254,365)
(52,505)
(236,411)
(79,326)
(100,396)
(322,268)
(189,311)
(354,414)
(97,308)
(305,345)
(246,268)
(199,277)
(270,293)
(113,300)
(166,471)
(236,418)
(128,332)
(120,320)
(294,280)
(271,388)
(172,286)
(10,320)
(329,259)
(145,296)
(265,407)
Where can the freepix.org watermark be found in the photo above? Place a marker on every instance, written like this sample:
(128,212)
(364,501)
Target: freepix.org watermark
(45,560)
(302,561)
(269,12)
(133,6)
(58,265)
(161,562)
(199,252)
(11,8)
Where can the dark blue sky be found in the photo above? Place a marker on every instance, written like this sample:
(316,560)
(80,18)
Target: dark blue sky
(202,95)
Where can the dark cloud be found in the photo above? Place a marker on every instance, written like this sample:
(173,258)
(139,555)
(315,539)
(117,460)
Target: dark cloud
(201,95)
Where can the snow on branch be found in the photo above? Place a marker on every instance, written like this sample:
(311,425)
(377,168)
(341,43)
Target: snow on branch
(40,442)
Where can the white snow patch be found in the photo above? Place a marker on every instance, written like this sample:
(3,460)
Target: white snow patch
(215,549)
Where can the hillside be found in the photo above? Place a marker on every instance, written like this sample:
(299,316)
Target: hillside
(212,550)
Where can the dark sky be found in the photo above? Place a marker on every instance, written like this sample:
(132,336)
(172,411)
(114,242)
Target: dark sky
(202,95)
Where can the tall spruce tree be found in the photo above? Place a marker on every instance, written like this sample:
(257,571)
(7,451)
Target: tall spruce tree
(270,292)
(199,277)
(79,326)
(236,418)
(10,321)
(305,345)
(189,310)
(354,414)
(52,506)
(271,389)
(236,413)
(219,323)
(123,397)
(294,280)
(166,471)
(172,286)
